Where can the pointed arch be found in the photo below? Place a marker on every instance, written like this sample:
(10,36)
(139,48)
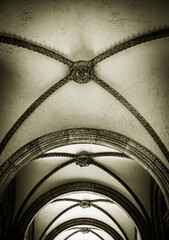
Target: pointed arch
(136,151)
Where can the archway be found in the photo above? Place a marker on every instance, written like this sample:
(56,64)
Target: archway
(136,151)
(46,198)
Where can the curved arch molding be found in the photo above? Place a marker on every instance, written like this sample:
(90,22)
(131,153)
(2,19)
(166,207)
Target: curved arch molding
(77,205)
(87,221)
(83,230)
(92,162)
(37,147)
(38,204)
(83,72)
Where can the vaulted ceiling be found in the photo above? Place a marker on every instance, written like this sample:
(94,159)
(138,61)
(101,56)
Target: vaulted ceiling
(84,120)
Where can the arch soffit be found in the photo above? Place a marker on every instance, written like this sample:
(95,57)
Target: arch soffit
(136,151)
(47,197)
(126,145)
(88,221)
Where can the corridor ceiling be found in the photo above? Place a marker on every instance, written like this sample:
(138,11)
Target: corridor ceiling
(84,116)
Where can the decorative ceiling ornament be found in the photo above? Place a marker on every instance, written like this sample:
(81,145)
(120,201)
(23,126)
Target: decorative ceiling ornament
(44,199)
(84,230)
(81,71)
(83,160)
(85,204)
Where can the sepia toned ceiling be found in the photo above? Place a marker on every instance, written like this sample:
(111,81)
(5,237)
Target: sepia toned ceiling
(84,117)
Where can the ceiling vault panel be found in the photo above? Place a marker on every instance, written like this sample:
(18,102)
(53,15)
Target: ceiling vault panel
(93,222)
(84,162)
(46,198)
(76,205)
(81,72)
(84,120)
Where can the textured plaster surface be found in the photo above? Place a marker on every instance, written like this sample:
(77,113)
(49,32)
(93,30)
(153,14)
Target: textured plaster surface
(117,166)
(74,173)
(38,169)
(68,109)
(81,30)
(51,210)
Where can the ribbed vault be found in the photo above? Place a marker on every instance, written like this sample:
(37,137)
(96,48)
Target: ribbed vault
(84,123)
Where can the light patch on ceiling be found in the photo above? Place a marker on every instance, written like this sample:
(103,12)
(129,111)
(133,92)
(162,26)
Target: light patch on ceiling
(78,148)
